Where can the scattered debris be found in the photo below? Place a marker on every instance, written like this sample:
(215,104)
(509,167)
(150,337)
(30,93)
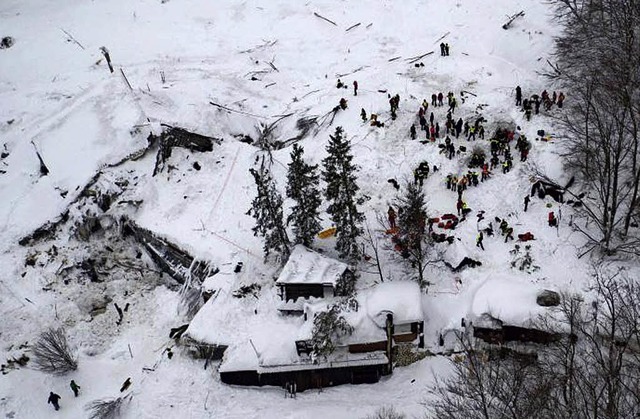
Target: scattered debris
(247,290)
(13,364)
(171,259)
(179,137)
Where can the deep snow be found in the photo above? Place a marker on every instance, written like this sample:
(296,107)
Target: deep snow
(80,117)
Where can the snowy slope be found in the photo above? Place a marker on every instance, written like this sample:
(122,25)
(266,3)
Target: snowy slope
(60,96)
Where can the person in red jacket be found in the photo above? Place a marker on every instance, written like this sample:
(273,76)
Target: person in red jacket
(391,213)
(553,222)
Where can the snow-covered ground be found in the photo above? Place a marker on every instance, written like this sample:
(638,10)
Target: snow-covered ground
(59,97)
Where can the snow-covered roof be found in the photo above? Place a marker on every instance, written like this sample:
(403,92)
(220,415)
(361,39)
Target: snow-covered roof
(308,267)
(510,300)
(403,299)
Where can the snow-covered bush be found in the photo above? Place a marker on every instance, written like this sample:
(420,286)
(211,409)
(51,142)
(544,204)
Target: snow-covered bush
(52,352)
(386,412)
(106,408)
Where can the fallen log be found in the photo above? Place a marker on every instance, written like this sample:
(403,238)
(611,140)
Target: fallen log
(352,27)
(324,18)
(412,60)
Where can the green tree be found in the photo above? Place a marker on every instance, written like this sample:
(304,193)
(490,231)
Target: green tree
(342,193)
(417,244)
(266,208)
(302,187)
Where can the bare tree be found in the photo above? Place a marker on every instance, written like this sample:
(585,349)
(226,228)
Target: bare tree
(53,354)
(591,371)
(490,384)
(598,61)
(386,412)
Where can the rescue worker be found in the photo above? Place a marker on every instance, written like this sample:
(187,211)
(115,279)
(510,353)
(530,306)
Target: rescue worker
(54,399)
(479,240)
(391,214)
(560,100)
(74,387)
(412,132)
(518,96)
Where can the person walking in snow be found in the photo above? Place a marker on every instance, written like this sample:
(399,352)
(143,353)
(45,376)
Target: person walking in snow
(442,50)
(560,100)
(452,105)
(446,49)
(355,88)
(74,387)
(526,202)
(412,131)
(363,115)
(54,399)
(518,96)
(459,127)
(553,221)
(391,214)
(479,240)
(431,117)
(434,98)
(440,98)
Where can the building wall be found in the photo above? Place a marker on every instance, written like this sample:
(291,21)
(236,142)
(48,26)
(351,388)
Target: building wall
(295,291)
(307,379)
(368,347)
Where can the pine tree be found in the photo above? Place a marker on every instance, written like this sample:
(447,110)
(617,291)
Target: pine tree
(266,208)
(302,186)
(415,240)
(342,193)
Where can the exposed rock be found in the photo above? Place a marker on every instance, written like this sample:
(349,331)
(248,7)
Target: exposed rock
(548,298)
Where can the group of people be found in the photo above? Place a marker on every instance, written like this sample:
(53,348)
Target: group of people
(534,102)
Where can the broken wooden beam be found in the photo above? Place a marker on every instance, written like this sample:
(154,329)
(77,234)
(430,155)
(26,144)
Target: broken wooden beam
(442,37)
(352,27)
(72,39)
(324,18)
(394,58)
(512,18)
(412,60)
(44,170)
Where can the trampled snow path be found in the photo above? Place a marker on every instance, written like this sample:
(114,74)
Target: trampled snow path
(81,117)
